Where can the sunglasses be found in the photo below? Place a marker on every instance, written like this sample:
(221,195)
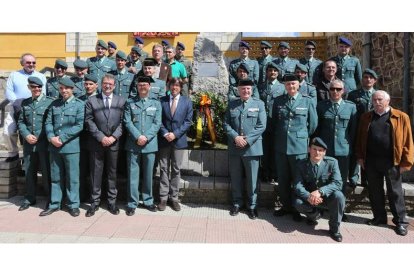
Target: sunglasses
(264,48)
(336,89)
(35,86)
(60,67)
(30,62)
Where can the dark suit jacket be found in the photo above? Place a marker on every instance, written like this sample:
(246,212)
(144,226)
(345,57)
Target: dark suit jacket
(99,124)
(179,124)
(165,72)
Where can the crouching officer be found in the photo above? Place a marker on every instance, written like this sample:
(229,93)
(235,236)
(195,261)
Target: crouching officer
(245,121)
(31,127)
(318,186)
(63,126)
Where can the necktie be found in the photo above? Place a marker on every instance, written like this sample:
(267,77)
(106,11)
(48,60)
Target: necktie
(107,102)
(336,106)
(174,106)
(315,169)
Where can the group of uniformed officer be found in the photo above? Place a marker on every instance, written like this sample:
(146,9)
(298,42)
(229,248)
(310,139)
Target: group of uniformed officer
(264,117)
(57,133)
(294,114)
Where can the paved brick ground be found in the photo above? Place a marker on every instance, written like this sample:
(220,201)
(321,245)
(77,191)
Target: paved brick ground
(194,224)
(199,240)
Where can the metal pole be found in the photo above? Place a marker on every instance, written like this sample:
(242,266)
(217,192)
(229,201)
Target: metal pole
(406,81)
(77,46)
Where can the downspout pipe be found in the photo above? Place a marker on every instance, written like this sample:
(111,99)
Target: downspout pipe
(77,45)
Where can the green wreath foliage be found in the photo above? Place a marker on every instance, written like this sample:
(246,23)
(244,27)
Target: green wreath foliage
(218,109)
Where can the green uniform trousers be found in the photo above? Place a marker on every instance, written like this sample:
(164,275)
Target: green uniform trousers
(250,165)
(31,164)
(136,161)
(64,171)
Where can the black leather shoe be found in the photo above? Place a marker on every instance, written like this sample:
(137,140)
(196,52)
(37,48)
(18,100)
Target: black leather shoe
(311,222)
(376,221)
(296,216)
(113,209)
(48,212)
(345,218)
(281,212)
(401,230)
(91,211)
(25,206)
(175,205)
(130,211)
(74,212)
(151,208)
(336,236)
(162,205)
(12,158)
(234,211)
(252,213)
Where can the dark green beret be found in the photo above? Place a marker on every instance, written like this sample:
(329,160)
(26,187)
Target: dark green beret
(284,44)
(91,77)
(137,50)
(66,82)
(371,72)
(121,55)
(245,82)
(102,44)
(302,67)
(265,43)
(145,79)
(318,142)
(61,63)
(290,77)
(150,62)
(80,64)
(273,65)
(310,42)
(35,80)
(244,66)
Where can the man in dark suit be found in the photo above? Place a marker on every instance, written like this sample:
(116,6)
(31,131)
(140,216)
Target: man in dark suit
(103,117)
(177,117)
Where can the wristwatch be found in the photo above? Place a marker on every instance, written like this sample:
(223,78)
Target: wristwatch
(320,191)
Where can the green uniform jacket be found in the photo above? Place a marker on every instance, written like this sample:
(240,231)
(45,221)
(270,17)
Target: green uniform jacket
(32,121)
(307,89)
(123,83)
(253,70)
(100,67)
(349,71)
(262,68)
(140,119)
(249,121)
(268,92)
(337,129)
(312,67)
(287,65)
(328,179)
(65,119)
(52,87)
(362,101)
(79,88)
(292,125)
